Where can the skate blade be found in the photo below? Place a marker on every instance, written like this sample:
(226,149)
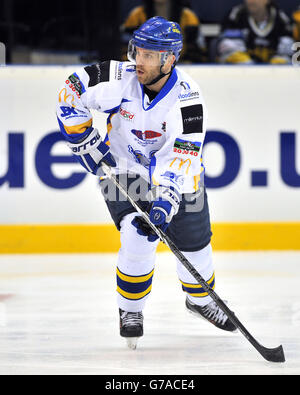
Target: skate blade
(132,342)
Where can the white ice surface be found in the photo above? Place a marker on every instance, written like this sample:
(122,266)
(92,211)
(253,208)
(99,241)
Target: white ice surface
(58,315)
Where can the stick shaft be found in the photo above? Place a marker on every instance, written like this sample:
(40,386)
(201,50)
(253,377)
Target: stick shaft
(273,355)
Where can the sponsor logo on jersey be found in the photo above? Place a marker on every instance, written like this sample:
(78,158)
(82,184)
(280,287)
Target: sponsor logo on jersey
(119,71)
(181,163)
(75,85)
(128,116)
(70,112)
(147,135)
(67,111)
(186,147)
(185,85)
(188,96)
(66,98)
(192,117)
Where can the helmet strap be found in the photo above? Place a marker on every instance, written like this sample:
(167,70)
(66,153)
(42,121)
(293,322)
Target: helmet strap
(162,75)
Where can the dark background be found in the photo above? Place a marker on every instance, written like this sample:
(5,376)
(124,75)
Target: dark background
(89,28)
(213,10)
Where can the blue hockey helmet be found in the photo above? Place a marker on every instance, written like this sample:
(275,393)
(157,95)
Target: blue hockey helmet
(157,34)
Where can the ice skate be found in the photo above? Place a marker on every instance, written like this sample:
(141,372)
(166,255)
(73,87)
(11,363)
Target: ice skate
(212,313)
(131,327)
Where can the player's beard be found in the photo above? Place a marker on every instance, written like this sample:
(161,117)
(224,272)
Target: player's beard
(147,76)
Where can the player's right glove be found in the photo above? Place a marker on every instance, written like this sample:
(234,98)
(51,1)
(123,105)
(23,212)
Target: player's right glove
(165,204)
(90,151)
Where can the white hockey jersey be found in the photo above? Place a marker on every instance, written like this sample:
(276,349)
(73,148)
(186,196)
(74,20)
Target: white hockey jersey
(160,140)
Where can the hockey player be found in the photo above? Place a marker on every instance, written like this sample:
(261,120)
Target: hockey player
(156,128)
(256,32)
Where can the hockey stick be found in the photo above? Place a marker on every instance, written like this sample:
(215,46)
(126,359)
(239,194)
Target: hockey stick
(270,354)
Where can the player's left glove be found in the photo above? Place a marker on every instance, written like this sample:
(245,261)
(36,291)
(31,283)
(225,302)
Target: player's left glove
(165,204)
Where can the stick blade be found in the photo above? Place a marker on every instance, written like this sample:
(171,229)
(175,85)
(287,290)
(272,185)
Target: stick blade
(273,354)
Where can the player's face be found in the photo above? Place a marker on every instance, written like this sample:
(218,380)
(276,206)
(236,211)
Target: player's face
(147,65)
(255,6)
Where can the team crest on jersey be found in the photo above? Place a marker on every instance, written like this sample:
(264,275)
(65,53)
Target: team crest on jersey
(147,137)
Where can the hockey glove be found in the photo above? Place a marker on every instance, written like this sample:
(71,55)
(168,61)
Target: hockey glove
(165,205)
(91,151)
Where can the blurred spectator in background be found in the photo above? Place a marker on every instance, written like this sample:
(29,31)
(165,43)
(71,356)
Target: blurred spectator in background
(256,32)
(194,48)
(296,17)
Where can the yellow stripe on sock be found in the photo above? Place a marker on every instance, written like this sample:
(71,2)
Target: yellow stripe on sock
(134,279)
(133,296)
(201,295)
(198,285)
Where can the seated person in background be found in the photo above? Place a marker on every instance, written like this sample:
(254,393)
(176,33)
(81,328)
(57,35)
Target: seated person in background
(296,18)
(194,47)
(256,32)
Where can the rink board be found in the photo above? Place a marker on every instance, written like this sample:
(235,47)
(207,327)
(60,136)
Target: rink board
(26,239)
(48,203)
